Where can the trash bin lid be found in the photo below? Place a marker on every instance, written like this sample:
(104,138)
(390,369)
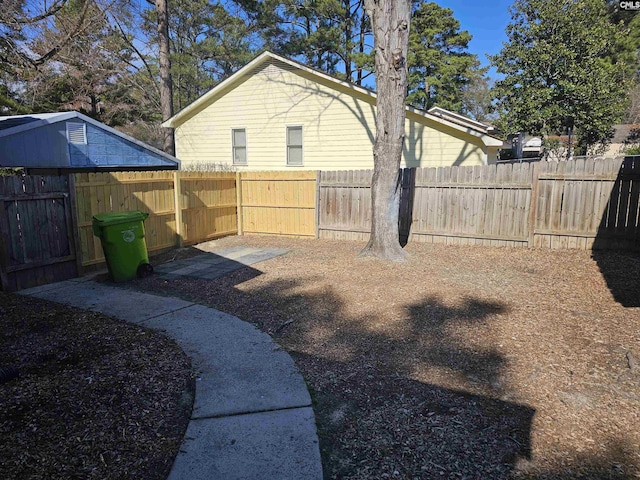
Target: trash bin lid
(114,218)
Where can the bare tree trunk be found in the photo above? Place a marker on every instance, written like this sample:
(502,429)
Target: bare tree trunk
(166,87)
(361,44)
(346,4)
(390,22)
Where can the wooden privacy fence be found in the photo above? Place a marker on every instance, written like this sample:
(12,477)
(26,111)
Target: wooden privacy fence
(151,192)
(470,205)
(484,205)
(37,234)
(575,204)
(206,200)
(209,205)
(344,205)
(46,222)
(587,204)
(278,203)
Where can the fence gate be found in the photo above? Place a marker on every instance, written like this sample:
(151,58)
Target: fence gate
(37,242)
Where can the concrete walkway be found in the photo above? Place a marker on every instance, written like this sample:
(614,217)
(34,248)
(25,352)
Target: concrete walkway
(252,415)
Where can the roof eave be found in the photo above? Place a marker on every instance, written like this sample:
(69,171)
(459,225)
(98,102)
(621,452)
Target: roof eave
(37,123)
(487,140)
(179,118)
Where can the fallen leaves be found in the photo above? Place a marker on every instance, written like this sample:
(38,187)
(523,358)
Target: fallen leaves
(464,362)
(95,397)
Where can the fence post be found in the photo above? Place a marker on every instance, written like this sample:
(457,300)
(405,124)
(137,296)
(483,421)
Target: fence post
(177,201)
(75,229)
(239,201)
(534,203)
(317,215)
(4,234)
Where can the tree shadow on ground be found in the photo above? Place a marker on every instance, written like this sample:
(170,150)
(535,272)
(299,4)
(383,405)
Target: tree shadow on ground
(378,423)
(413,394)
(200,264)
(375,412)
(619,230)
(621,271)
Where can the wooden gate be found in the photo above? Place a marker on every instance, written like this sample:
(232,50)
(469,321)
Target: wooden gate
(37,243)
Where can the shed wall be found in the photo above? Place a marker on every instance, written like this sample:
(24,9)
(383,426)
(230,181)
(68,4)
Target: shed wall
(104,149)
(46,145)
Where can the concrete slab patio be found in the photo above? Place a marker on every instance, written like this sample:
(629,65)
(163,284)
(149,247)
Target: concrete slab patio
(252,415)
(213,264)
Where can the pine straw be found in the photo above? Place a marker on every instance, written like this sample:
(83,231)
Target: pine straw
(96,398)
(464,362)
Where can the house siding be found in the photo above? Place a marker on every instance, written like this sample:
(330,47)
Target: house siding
(338,127)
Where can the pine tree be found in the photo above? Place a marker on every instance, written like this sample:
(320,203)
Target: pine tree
(440,67)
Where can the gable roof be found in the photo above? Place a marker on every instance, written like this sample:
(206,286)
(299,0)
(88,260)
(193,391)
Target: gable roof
(454,121)
(12,125)
(460,119)
(621,133)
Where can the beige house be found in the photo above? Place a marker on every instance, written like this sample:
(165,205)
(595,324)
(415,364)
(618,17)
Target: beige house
(277,114)
(620,141)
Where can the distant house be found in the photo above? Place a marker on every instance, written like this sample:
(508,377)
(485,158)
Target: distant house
(71,142)
(277,114)
(621,139)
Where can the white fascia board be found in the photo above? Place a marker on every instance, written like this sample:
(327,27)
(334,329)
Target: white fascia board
(487,140)
(175,121)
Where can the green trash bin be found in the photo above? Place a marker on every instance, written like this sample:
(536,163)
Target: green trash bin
(122,238)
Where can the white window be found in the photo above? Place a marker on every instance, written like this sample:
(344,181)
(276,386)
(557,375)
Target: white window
(294,145)
(239,146)
(77,133)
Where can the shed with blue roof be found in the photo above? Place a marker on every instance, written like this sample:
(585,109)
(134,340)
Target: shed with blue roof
(72,142)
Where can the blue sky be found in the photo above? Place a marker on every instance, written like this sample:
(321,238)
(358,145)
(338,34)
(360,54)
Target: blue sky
(485,20)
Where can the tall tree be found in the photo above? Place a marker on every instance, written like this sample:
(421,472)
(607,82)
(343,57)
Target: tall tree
(166,87)
(628,49)
(330,35)
(90,70)
(390,21)
(208,44)
(22,27)
(476,97)
(20,22)
(333,36)
(440,66)
(561,68)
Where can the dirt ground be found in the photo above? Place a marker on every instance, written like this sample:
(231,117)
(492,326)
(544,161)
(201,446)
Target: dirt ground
(84,396)
(464,362)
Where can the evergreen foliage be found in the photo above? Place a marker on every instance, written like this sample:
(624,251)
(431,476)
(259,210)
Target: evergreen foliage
(565,64)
